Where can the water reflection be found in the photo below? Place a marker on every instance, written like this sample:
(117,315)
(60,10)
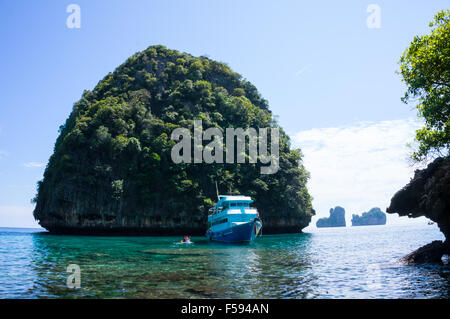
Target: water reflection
(328,264)
(155,267)
(274,266)
(15,257)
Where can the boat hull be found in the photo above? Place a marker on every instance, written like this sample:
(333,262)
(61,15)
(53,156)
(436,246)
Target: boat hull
(237,234)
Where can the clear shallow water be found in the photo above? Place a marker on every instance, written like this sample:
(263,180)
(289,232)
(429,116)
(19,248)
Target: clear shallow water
(328,263)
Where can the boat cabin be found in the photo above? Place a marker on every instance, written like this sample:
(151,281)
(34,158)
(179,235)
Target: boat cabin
(231,211)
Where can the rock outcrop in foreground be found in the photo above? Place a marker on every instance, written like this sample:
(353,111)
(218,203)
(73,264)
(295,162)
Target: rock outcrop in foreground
(336,219)
(373,217)
(427,194)
(430,253)
(112,171)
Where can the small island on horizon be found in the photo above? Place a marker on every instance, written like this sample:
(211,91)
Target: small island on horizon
(336,219)
(373,217)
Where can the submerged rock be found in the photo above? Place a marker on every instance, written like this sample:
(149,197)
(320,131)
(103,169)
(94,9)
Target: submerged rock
(427,194)
(373,217)
(430,253)
(336,219)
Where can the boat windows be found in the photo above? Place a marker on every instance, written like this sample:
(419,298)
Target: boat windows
(221,221)
(238,205)
(228,205)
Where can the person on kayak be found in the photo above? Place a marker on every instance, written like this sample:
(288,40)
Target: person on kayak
(186,239)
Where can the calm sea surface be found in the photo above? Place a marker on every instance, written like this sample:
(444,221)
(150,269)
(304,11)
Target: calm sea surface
(327,263)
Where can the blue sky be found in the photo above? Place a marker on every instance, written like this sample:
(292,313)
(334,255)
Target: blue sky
(323,71)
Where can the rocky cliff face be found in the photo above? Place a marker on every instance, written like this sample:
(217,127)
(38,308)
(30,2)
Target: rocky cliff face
(336,219)
(427,194)
(112,172)
(373,217)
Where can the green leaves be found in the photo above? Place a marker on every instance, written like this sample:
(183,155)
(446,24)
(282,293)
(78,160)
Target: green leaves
(117,189)
(425,68)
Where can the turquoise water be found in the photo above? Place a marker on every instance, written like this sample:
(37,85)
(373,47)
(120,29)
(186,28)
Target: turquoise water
(327,263)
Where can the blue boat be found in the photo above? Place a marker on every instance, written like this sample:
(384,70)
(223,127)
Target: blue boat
(232,220)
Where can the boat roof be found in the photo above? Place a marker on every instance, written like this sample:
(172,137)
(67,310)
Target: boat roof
(239,198)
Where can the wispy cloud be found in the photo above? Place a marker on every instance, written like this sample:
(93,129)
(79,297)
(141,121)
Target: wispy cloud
(34,164)
(300,71)
(359,166)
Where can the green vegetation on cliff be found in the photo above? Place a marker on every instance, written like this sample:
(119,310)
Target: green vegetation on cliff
(111,168)
(336,219)
(373,217)
(425,68)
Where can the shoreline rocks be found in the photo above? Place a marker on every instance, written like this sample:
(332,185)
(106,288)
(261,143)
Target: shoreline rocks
(427,194)
(430,253)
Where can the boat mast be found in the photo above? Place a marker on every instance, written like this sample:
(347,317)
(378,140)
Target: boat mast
(217,191)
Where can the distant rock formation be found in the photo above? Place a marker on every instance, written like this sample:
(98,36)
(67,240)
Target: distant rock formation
(373,217)
(427,194)
(336,219)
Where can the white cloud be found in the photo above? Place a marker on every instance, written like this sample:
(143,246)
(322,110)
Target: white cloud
(357,167)
(34,164)
(17,216)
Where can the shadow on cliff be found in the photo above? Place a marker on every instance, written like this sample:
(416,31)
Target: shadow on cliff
(427,194)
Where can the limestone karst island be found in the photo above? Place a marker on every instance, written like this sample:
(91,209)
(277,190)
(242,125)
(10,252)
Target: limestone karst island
(336,218)
(373,217)
(111,171)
